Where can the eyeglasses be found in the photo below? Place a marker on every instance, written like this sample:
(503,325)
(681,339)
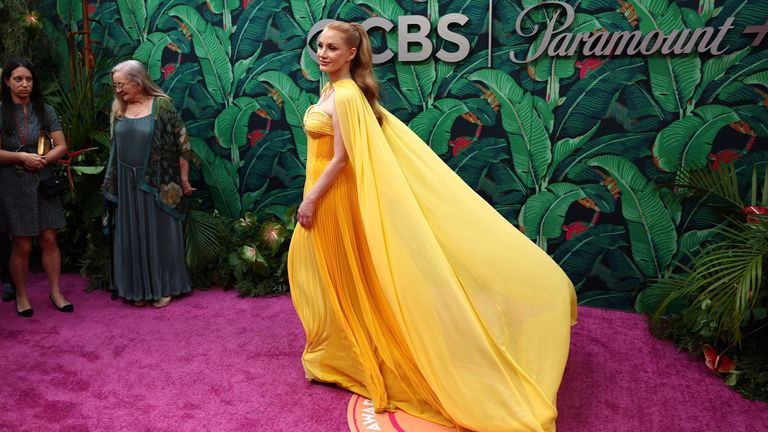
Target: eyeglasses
(19,80)
(120,86)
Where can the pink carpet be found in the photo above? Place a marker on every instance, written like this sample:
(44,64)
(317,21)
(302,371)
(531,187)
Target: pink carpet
(214,362)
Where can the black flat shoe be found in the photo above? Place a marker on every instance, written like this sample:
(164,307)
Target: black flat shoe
(26,313)
(66,308)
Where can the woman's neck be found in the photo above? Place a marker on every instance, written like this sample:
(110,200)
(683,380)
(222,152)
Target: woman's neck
(140,101)
(338,76)
(20,101)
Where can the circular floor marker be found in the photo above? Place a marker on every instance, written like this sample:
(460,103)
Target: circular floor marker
(362,418)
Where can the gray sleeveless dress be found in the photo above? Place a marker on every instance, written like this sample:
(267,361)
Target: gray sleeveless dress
(149,243)
(23,211)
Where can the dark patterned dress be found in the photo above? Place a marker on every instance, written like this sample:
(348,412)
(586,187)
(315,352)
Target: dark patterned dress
(23,211)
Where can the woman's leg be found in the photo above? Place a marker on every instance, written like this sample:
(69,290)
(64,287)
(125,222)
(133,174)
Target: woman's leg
(19,264)
(52,264)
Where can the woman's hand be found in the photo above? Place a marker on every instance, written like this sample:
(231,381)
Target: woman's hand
(186,187)
(305,213)
(33,162)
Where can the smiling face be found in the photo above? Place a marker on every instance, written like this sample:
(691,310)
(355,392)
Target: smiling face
(130,91)
(20,84)
(333,54)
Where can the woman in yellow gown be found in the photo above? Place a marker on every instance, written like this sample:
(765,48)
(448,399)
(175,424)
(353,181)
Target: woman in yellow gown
(413,291)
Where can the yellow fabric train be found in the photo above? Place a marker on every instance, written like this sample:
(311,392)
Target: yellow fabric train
(414,292)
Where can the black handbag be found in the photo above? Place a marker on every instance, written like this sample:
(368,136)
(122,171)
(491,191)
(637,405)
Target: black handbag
(52,186)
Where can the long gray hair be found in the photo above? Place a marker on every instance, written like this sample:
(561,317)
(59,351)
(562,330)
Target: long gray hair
(134,71)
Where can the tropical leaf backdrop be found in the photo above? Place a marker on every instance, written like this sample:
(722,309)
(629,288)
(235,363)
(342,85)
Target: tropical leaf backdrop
(571,150)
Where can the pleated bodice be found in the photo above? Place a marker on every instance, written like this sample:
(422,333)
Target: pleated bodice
(317,124)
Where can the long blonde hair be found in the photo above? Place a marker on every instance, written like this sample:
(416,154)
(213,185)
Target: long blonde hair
(134,71)
(361,67)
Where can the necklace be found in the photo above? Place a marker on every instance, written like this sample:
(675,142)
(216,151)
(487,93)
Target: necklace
(145,106)
(23,132)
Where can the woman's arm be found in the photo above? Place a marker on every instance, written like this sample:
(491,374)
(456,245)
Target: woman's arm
(59,147)
(186,187)
(30,161)
(330,173)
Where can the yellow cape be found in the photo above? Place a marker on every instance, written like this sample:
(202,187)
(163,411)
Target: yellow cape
(484,312)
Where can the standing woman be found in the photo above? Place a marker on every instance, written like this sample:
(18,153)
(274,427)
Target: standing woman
(24,211)
(147,178)
(412,290)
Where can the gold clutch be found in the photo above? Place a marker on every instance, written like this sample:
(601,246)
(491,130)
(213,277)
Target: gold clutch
(44,143)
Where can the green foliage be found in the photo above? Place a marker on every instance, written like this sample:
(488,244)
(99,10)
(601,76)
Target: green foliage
(750,378)
(244,253)
(723,289)
(22,33)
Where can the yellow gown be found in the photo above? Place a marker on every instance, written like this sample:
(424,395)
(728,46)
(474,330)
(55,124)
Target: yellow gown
(415,293)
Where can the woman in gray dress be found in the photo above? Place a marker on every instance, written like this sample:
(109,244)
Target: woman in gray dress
(24,212)
(147,178)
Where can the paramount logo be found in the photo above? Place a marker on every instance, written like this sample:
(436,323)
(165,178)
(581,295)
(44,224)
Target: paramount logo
(557,42)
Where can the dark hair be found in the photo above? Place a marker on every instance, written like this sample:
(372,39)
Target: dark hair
(9,108)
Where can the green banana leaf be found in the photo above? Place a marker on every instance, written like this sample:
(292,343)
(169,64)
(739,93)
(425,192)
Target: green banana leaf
(416,81)
(629,146)
(529,142)
(159,17)
(565,147)
(472,163)
(133,13)
(231,125)
(652,234)
(601,196)
(738,93)
(309,67)
(295,103)
(715,68)
(308,12)
(588,100)
(220,178)
(638,111)
(543,215)
(224,8)
(150,52)
(760,78)
(692,240)
(623,267)
(476,11)
(394,100)
(434,125)
(212,54)
(290,171)
(70,12)
(282,61)
(259,166)
(674,204)
(252,25)
(686,143)
(579,255)
(506,180)
(673,77)
(277,200)
(756,116)
(383,8)
(745,68)
(477,61)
